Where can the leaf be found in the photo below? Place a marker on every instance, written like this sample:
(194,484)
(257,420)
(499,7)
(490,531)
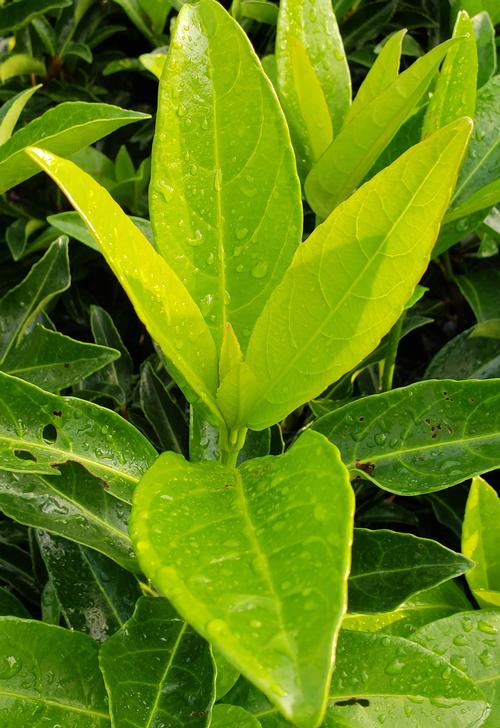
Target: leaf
(11,111)
(105,333)
(427,606)
(471,642)
(486,48)
(54,361)
(157,670)
(49,605)
(380,76)
(466,356)
(227,675)
(455,90)
(480,288)
(96,595)
(354,258)
(223,175)
(21,64)
(388,567)
(482,160)
(154,62)
(481,542)
(356,148)
(260,10)
(73,505)
(162,412)
(479,201)
(421,438)
(245,554)
(19,306)
(228,716)
(48,429)
(49,674)
(17,14)
(136,12)
(158,295)
(62,129)
(310,58)
(10,605)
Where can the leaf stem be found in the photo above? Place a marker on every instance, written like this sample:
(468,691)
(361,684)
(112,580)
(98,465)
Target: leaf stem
(390,357)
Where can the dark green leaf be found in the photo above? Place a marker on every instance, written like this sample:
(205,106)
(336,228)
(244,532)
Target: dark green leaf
(480,288)
(10,605)
(466,356)
(162,412)
(486,49)
(106,334)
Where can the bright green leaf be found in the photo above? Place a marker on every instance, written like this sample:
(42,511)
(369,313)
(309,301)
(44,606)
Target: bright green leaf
(11,111)
(353,152)
(256,559)
(421,438)
(223,177)
(349,282)
(157,670)
(481,542)
(229,716)
(21,64)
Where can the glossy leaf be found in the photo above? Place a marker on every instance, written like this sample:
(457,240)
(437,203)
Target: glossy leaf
(162,412)
(420,438)
(16,15)
(158,295)
(228,716)
(72,225)
(480,288)
(11,111)
(21,64)
(427,606)
(313,77)
(19,306)
(96,596)
(481,542)
(227,675)
(48,429)
(256,559)
(349,158)
(471,642)
(105,333)
(157,670)
(454,94)
(467,356)
(147,15)
(73,505)
(223,175)
(54,361)
(388,567)
(486,48)
(49,674)
(10,605)
(62,129)
(320,320)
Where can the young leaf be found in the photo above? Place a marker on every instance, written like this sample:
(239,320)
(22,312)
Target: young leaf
(223,177)
(19,306)
(96,596)
(455,90)
(388,567)
(53,361)
(39,430)
(421,438)
(160,298)
(51,674)
(11,111)
(157,670)
(256,559)
(349,282)
(313,77)
(63,129)
(471,642)
(481,542)
(73,505)
(352,153)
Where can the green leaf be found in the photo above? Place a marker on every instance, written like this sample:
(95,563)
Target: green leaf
(49,674)
(54,361)
(482,160)
(454,94)
(62,129)
(96,596)
(388,567)
(49,429)
(154,62)
(349,158)
(159,297)
(21,64)
(71,224)
(481,542)
(313,77)
(229,716)
(105,333)
(481,200)
(10,605)
(11,111)
(421,438)
(157,670)
(227,675)
(49,605)
(150,25)
(356,272)
(486,48)
(427,606)
(162,412)
(19,306)
(74,505)
(480,287)
(467,356)
(471,642)
(380,76)
(260,10)
(256,559)
(17,14)
(223,175)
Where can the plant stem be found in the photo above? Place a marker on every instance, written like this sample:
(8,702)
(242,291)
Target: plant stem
(390,357)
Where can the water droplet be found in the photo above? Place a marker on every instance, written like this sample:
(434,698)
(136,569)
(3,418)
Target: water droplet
(321,512)
(216,627)
(486,627)
(259,270)
(380,438)
(195,239)
(395,667)
(339,56)
(486,658)
(459,640)
(255,623)
(218,180)
(181,110)
(241,233)
(9,666)
(239,269)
